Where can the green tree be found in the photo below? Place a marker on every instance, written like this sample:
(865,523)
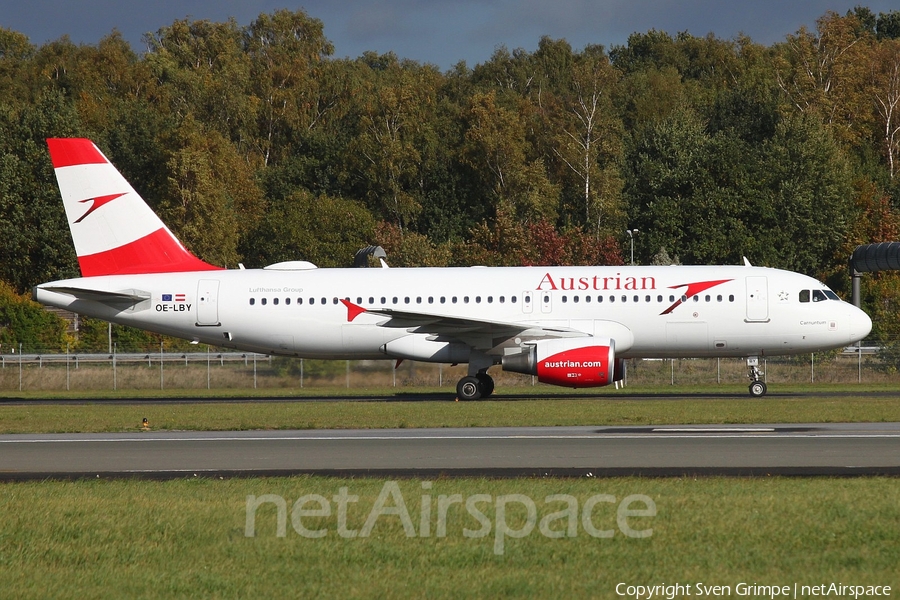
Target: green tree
(886,96)
(34,232)
(324,230)
(824,73)
(25,322)
(202,72)
(395,134)
(212,195)
(590,141)
(496,147)
(287,52)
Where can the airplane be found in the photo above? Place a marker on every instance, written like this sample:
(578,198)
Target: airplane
(568,326)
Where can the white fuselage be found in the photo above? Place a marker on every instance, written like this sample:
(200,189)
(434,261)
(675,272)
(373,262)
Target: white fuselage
(650,312)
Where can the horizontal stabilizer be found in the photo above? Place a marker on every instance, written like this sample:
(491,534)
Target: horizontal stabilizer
(120,297)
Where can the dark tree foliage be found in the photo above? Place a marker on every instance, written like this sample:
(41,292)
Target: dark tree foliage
(257,146)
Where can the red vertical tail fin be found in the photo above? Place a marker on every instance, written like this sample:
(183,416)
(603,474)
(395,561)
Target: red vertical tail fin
(115,232)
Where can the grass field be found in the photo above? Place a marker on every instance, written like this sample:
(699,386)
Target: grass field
(188,538)
(409,412)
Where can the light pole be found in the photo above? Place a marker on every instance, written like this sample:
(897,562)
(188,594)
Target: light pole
(631,233)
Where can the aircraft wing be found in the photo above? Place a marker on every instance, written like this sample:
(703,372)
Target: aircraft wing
(481,334)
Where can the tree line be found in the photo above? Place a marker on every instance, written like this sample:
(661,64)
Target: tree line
(256,146)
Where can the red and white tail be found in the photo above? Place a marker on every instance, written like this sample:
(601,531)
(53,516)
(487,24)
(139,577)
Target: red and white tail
(114,231)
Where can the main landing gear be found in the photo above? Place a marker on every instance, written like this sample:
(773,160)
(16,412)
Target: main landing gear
(475,387)
(758,387)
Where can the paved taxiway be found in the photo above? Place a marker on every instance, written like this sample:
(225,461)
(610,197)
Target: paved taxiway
(804,449)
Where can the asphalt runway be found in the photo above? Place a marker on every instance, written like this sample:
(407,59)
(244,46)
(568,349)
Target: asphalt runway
(741,450)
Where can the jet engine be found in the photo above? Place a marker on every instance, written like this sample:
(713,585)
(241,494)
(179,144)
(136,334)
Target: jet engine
(569,362)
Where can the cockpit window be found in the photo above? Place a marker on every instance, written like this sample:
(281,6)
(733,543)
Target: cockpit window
(817,295)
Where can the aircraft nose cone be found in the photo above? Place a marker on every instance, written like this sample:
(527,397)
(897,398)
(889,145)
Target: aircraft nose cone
(860,325)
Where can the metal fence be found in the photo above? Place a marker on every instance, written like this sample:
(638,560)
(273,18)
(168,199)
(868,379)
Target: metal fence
(216,369)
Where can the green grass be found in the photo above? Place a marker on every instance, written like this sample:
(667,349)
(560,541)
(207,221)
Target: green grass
(186,538)
(602,410)
(447,392)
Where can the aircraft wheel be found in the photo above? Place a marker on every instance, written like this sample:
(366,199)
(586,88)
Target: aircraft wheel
(486,383)
(758,389)
(468,388)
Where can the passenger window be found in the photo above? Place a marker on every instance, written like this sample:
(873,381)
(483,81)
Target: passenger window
(252,301)
(263,301)
(275,301)
(804,295)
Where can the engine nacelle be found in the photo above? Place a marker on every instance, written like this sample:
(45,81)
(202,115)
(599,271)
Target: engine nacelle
(569,362)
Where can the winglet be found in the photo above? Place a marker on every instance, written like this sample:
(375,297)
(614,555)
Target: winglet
(353,310)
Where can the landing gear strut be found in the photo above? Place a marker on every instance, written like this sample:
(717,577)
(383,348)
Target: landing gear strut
(475,387)
(758,387)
